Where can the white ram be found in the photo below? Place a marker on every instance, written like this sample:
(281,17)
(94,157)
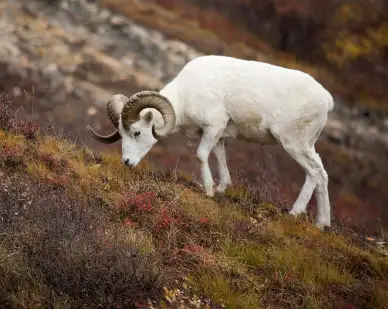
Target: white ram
(217,97)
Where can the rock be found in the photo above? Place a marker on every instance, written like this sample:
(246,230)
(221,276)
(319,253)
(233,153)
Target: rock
(91,111)
(16,91)
(104,15)
(128,61)
(117,21)
(51,69)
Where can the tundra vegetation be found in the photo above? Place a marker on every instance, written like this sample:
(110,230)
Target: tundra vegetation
(80,230)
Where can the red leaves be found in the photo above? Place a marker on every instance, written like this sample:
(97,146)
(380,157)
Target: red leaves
(144,204)
(11,151)
(54,163)
(165,220)
(128,222)
(24,127)
(107,243)
(143,201)
(12,155)
(204,220)
(139,305)
(193,249)
(7,122)
(61,180)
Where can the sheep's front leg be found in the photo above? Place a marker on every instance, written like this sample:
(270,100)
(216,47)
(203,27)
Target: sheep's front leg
(209,139)
(219,152)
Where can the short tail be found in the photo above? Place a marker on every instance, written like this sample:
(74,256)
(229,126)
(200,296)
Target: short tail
(330,103)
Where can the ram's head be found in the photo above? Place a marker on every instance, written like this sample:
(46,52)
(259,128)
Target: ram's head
(138,131)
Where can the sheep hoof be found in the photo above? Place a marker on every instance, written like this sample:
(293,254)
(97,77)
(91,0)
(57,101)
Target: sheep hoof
(221,189)
(210,192)
(295,213)
(323,227)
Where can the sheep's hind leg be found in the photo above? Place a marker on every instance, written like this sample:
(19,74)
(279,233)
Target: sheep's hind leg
(209,139)
(316,179)
(322,193)
(219,152)
(301,155)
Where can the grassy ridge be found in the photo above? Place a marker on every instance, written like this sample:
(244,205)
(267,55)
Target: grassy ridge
(79,230)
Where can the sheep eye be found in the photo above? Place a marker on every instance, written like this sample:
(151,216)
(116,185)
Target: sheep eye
(137,134)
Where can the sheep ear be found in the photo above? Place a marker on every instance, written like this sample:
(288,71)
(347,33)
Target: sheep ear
(148,117)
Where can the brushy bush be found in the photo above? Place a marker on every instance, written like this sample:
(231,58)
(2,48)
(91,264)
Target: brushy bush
(73,248)
(5,111)
(22,286)
(24,127)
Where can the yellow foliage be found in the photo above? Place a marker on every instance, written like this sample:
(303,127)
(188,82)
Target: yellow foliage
(38,170)
(363,31)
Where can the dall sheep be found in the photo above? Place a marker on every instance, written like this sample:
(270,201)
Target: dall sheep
(217,97)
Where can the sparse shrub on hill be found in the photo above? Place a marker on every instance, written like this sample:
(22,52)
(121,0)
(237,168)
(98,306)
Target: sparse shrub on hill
(79,230)
(5,111)
(75,248)
(24,127)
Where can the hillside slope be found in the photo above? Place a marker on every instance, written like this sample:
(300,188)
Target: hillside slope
(68,78)
(79,230)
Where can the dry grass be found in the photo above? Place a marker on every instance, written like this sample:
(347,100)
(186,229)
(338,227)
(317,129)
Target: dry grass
(78,230)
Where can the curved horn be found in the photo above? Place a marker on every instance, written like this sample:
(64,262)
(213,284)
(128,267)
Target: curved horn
(113,106)
(106,139)
(150,99)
